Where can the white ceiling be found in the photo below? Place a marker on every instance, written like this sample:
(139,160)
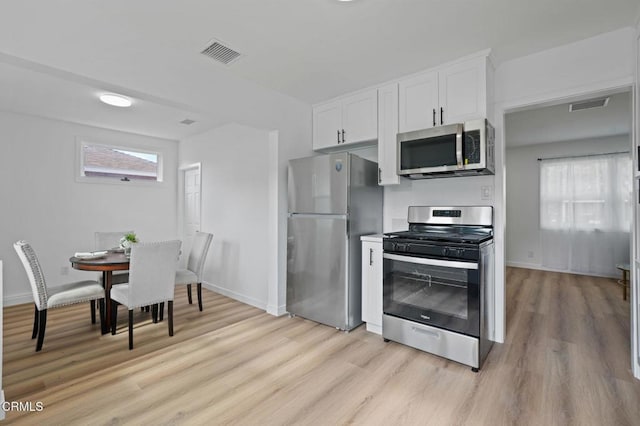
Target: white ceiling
(310,50)
(556,123)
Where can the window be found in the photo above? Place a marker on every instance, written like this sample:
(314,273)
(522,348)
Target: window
(585,213)
(586,193)
(101,162)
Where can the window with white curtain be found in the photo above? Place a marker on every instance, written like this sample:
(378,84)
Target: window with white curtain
(585,213)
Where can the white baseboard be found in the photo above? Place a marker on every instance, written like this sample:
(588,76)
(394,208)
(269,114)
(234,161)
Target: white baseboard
(18,299)
(373,328)
(277,310)
(237,296)
(280,310)
(543,268)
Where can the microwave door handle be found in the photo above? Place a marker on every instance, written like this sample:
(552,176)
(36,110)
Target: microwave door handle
(459,145)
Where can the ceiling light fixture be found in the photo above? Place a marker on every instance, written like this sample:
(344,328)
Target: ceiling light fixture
(115,100)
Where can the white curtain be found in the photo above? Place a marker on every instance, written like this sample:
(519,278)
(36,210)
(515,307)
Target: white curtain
(585,213)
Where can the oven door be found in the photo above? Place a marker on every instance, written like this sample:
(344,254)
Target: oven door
(437,292)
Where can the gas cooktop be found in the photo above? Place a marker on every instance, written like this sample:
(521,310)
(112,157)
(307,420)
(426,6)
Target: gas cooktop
(451,234)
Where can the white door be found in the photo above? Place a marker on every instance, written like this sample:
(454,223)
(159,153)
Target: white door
(191,202)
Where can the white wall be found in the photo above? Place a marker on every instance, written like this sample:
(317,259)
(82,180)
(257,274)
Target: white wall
(235,204)
(458,191)
(523,190)
(43,203)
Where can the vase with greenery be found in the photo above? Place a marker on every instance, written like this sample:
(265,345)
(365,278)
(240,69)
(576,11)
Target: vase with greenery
(127,240)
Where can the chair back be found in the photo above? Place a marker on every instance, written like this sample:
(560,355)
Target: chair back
(34,272)
(109,240)
(152,272)
(198,253)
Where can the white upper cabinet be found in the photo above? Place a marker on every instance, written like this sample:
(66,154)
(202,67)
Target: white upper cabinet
(419,102)
(346,121)
(387,132)
(327,123)
(451,94)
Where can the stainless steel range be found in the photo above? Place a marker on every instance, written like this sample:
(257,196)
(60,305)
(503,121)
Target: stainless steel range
(438,282)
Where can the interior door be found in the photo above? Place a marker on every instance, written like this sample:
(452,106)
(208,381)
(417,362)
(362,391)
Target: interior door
(191,202)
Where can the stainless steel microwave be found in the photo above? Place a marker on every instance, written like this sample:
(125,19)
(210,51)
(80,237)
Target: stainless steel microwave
(463,149)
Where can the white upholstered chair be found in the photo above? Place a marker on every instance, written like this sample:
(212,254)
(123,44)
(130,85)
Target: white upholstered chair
(195,265)
(108,241)
(47,298)
(151,281)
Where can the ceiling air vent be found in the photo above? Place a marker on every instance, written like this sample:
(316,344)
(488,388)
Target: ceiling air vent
(220,52)
(591,103)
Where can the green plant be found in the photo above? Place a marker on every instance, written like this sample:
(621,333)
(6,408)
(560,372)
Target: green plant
(131,237)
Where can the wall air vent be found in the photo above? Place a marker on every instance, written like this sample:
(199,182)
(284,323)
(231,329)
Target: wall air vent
(187,121)
(221,53)
(590,103)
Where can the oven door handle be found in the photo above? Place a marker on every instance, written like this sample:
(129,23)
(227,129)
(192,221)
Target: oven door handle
(433,262)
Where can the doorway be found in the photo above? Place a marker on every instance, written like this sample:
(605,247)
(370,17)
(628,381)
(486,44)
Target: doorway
(546,146)
(189,210)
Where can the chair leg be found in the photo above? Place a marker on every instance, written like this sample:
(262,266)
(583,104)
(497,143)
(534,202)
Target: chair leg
(102,312)
(200,296)
(42,322)
(130,329)
(154,313)
(189,294)
(114,316)
(93,311)
(170,315)
(35,322)
(161,312)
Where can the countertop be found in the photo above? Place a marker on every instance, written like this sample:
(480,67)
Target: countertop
(374,238)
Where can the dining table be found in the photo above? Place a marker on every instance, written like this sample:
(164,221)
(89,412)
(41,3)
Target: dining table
(107,263)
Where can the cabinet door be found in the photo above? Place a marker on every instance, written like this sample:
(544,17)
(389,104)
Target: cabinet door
(463,91)
(418,99)
(327,122)
(387,132)
(360,117)
(372,285)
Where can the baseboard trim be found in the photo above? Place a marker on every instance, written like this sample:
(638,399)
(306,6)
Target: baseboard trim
(237,296)
(277,310)
(543,268)
(18,299)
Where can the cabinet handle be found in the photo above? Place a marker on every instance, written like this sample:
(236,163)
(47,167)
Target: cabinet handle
(370,256)
(379,175)
(338,135)
(342,135)
(434,117)
(441,115)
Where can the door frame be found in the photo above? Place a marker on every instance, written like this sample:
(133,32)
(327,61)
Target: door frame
(501,109)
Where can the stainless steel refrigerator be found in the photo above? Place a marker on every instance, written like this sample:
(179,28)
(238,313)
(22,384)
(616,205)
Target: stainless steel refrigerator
(333,200)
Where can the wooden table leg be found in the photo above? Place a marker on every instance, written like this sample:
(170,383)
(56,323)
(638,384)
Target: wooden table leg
(107,277)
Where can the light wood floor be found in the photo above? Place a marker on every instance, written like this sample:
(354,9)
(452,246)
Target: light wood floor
(565,361)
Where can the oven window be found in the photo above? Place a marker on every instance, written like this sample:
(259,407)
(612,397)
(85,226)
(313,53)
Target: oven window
(430,152)
(427,288)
